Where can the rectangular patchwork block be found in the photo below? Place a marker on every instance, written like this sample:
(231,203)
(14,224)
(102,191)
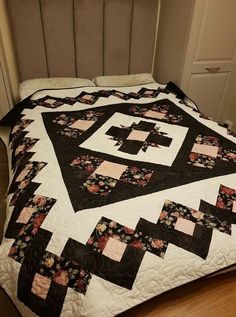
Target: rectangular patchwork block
(25,214)
(99,184)
(65,272)
(121,273)
(110,169)
(114,249)
(82,124)
(155,114)
(40,286)
(138,135)
(226,198)
(185,226)
(205,149)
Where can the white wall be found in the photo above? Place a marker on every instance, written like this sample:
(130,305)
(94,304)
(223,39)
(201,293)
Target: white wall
(173,31)
(9,62)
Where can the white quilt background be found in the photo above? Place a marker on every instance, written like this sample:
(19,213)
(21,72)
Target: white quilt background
(155,275)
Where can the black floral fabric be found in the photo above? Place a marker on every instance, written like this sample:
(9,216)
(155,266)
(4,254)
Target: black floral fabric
(66,121)
(65,272)
(226,198)
(17,130)
(30,171)
(208,161)
(172,211)
(161,109)
(41,206)
(103,185)
(107,228)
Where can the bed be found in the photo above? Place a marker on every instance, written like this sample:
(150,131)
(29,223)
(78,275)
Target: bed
(117,194)
(120,188)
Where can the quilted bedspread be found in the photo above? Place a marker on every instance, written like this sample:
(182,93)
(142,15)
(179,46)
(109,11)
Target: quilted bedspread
(115,196)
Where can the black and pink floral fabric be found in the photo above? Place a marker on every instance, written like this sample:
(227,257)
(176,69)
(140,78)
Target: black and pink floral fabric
(110,236)
(65,272)
(22,148)
(226,198)
(105,175)
(31,169)
(32,216)
(159,112)
(72,127)
(206,150)
(17,130)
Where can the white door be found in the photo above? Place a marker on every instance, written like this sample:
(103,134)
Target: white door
(210,63)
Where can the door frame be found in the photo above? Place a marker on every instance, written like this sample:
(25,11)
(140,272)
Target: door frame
(5,74)
(194,35)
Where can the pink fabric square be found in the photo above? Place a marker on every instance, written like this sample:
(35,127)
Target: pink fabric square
(114,249)
(25,215)
(205,149)
(82,124)
(87,97)
(234,206)
(19,149)
(185,226)
(23,174)
(110,169)
(40,286)
(50,101)
(138,135)
(149,92)
(155,114)
(61,278)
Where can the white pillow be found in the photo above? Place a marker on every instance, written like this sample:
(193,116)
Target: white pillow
(28,87)
(124,80)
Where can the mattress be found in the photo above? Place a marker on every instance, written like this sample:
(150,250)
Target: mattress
(115,196)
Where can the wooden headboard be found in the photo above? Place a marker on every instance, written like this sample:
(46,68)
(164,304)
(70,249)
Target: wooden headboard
(83,38)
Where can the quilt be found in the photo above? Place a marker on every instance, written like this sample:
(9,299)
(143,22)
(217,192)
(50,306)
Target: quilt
(115,196)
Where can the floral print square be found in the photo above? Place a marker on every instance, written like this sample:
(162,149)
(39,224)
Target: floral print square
(226,198)
(41,206)
(88,99)
(74,127)
(159,112)
(50,102)
(106,229)
(172,211)
(18,129)
(200,160)
(227,155)
(99,184)
(204,151)
(87,163)
(137,176)
(23,180)
(65,272)
(207,140)
(25,145)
